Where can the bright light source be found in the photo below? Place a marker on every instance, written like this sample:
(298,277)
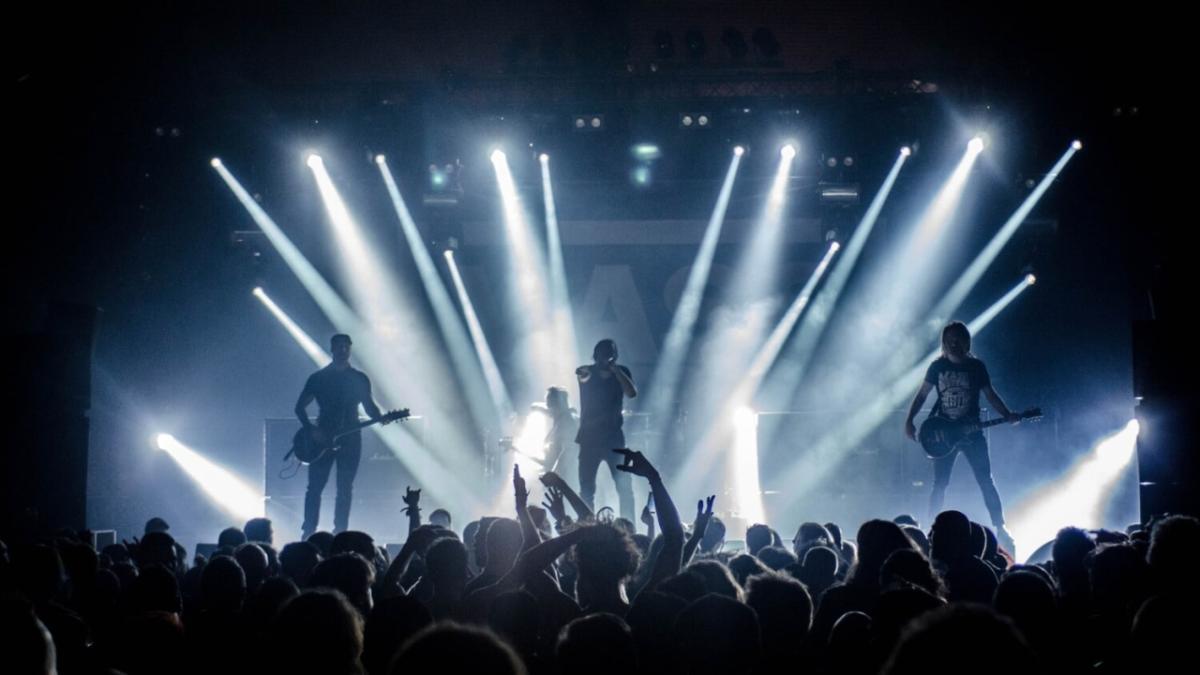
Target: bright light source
(258,291)
(788,151)
(739,150)
(498,155)
(448,254)
(380,159)
(647,151)
(1080,497)
(544,157)
(641,175)
(975,145)
(687,120)
(747,495)
(216,161)
(906,151)
(313,161)
(835,247)
(702,120)
(1077,144)
(1030,279)
(231,493)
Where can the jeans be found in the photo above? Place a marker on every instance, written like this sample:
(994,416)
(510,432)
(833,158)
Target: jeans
(347,458)
(975,449)
(590,458)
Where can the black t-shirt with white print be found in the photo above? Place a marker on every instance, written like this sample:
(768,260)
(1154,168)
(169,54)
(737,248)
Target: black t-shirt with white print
(958,386)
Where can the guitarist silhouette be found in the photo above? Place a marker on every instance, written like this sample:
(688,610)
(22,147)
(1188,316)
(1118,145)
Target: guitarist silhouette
(338,390)
(959,378)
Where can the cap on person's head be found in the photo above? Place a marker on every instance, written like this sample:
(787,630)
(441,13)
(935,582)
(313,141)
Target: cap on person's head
(156,524)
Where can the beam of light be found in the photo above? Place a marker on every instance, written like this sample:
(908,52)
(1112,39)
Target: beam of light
(231,493)
(529,443)
(567,352)
(938,214)
(824,456)
(709,448)
(527,285)
(1077,499)
(310,347)
(747,492)
(792,367)
(491,372)
(462,357)
(744,316)
(759,263)
(336,309)
(415,370)
(665,381)
(967,280)
(424,467)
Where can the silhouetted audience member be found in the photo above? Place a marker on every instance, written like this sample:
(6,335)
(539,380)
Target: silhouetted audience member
(451,648)
(596,644)
(318,631)
(961,638)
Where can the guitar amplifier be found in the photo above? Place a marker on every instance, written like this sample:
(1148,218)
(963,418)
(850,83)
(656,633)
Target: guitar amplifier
(378,486)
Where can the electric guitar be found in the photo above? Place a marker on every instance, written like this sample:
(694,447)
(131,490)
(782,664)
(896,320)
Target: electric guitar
(940,436)
(307,449)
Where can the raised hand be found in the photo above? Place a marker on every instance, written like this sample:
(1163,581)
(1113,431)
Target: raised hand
(412,499)
(554,504)
(647,514)
(636,463)
(703,513)
(520,492)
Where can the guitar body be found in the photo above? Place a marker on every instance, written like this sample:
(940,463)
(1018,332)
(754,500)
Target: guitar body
(939,436)
(307,449)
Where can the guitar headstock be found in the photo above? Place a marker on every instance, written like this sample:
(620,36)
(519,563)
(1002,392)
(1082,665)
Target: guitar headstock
(1032,414)
(393,415)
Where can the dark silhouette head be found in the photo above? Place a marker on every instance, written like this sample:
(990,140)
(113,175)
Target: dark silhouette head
(222,585)
(318,631)
(323,541)
(877,539)
(596,644)
(391,623)
(503,543)
(1175,553)
(909,567)
(254,563)
(451,648)
(156,524)
(297,561)
(950,536)
(339,348)
(717,578)
(604,560)
(718,635)
(605,351)
(156,589)
(784,609)
(743,566)
(259,530)
(758,536)
(776,557)
(441,518)
(945,640)
(351,576)
(231,538)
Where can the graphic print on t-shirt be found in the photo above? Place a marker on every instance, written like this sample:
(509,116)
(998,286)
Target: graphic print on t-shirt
(954,388)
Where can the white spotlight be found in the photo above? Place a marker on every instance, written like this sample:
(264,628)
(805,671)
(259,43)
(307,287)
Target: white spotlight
(544,157)
(739,150)
(258,291)
(380,159)
(313,161)
(976,144)
(164,441)
(449,255)
(906,151)
(835,246)
(1030,279)
(498,155)
(1077,144)
(216,161)
(788,151)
